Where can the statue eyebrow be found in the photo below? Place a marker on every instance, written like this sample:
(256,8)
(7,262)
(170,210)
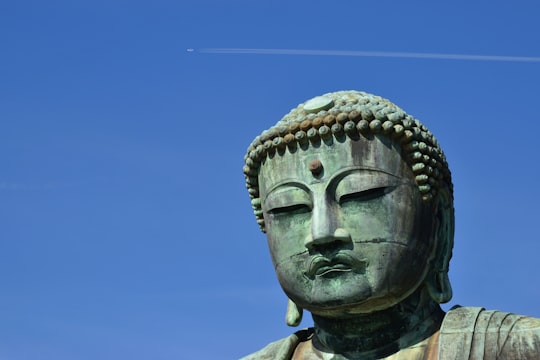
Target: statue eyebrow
(334,180)
(284,183)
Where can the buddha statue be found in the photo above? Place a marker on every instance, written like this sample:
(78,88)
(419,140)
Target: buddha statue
(355,197)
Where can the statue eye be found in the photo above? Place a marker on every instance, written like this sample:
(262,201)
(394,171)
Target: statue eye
(365,195)
(291,209)
(287,200)
(363,186)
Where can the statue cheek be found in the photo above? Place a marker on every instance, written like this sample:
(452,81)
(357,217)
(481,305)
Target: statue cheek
(286,235)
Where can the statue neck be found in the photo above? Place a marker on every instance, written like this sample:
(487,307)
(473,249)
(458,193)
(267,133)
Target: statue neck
(380,333)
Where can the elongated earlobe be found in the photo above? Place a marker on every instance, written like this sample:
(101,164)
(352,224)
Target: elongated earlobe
(439,288)
(294,314)
(437,282)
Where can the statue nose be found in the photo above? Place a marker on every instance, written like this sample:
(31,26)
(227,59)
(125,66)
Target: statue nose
(325,227)
(340,235)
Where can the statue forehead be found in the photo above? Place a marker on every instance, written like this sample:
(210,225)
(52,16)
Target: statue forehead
(377,153)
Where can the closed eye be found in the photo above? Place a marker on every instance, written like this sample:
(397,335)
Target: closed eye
(292,209)
(365,195)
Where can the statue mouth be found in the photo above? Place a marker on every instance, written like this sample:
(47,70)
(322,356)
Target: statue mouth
(322,266)
(333,269)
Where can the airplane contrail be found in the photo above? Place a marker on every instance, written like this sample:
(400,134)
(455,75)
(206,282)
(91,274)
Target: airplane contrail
(387,54)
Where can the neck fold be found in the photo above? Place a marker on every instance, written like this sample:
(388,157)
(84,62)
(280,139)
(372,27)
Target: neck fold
(381,333)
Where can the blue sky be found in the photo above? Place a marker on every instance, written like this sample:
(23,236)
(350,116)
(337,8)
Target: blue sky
(126,230)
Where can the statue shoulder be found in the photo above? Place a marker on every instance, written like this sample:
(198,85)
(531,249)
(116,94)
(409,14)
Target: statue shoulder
(476,333)
(282,349)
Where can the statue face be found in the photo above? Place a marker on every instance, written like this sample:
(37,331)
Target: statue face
(350,236)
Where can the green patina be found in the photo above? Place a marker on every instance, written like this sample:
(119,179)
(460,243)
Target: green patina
(355,197)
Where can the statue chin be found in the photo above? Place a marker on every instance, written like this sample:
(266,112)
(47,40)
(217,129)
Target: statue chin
(327,298)
(323,298)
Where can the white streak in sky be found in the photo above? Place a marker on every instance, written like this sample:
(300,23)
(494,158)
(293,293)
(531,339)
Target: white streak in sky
(387,54)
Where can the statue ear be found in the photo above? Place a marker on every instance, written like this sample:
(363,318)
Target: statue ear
(437,282)
(293,317)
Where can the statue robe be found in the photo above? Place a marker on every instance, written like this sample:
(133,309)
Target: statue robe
(466,333)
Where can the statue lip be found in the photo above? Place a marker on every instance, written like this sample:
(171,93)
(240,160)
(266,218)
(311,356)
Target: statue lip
(321,265)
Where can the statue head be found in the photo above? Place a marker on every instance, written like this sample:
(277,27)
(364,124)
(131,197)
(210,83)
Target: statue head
(355,197)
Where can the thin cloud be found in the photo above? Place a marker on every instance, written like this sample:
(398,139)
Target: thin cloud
(386,54)
(7,185)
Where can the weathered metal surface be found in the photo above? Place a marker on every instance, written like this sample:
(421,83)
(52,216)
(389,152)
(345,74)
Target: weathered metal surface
(355,197)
